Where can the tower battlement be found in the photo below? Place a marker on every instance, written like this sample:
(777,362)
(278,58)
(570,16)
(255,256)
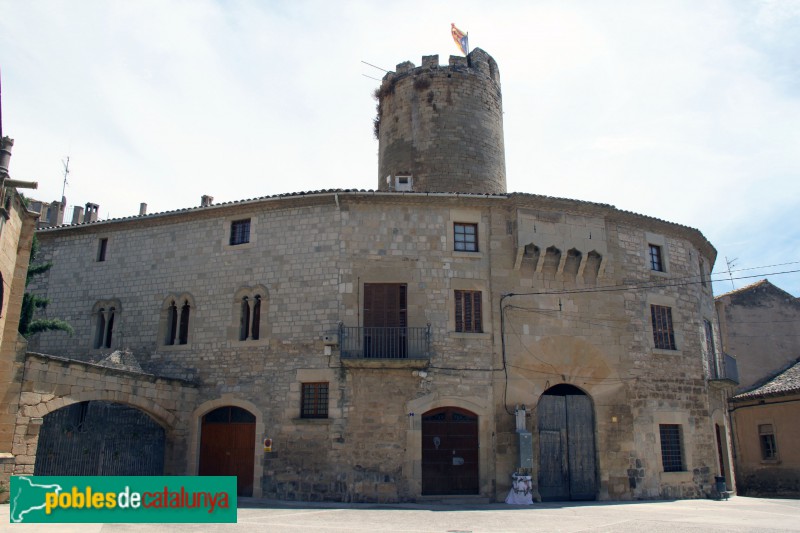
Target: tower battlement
(440,128)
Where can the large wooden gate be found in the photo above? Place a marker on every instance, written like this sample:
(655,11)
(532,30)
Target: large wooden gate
(227,446)
(99,439)
(567,466)
(450,452)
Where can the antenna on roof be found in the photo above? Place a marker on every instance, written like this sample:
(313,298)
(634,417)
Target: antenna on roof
(65,162)
(731,263)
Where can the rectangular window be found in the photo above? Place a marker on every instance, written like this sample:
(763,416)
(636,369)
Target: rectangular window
(663,334)
(101,250)
(769,450)
(671,447)
(240,232)
(656,258)
(468,311)
(710,349)
(315,400)
(465,237)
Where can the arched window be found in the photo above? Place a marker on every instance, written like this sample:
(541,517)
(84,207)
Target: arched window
(172,323)
(105,315)
(183,338)
(244,325)
(175,319)
(250,305)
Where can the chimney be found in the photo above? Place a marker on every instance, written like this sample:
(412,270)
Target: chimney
(206,200)
(6,143)
(77,215)
(91,212)
(142,209)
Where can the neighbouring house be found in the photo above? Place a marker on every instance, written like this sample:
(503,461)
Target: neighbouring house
(765,423)
(428,338)
(759,325)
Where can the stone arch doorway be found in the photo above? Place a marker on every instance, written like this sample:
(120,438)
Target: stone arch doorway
(450,452)
(100,438)
(567,459)
(227,446)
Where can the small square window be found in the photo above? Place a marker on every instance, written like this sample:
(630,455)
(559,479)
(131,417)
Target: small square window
(465,237)
(769,448)
(314,401)
(663,333)
(240,232)
(468,311)
(656,258)
(101,249)
(402,183)
(671,447)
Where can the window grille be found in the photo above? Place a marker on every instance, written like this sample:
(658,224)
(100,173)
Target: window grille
(769,448)
(663,334)
(240,232)
(656,258)
(671,447)
(465,237)
(315,400)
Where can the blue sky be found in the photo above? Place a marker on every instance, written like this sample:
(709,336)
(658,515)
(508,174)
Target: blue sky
(686,111)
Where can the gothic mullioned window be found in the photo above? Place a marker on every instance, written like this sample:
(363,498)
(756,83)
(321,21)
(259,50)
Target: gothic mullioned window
(104,315)
(249,307)
(175,320)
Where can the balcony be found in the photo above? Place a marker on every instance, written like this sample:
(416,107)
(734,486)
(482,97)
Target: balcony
(387,347)
(727,375)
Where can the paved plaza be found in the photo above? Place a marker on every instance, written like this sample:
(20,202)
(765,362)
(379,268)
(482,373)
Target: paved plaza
(738,514)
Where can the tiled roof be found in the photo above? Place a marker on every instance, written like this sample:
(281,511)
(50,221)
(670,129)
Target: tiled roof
(368,191)
(745,288)
(785,382)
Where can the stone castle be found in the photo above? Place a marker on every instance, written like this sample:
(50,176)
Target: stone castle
(430,338)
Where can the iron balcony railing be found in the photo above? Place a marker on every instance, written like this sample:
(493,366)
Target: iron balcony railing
(728,369)
(385,343)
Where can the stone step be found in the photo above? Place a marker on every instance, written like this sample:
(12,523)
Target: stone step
(454,500)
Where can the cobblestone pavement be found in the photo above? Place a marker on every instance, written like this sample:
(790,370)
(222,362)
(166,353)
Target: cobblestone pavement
(739,514)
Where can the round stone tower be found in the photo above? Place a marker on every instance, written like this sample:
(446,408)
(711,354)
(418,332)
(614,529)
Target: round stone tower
(440,129)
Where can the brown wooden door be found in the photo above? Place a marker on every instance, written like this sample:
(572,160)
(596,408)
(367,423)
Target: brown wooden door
(227,446)
(385,320)
(450,452)
(567,465)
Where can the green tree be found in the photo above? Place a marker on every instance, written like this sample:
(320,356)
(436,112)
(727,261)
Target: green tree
(28,325)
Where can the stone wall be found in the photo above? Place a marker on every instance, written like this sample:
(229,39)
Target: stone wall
(310,257)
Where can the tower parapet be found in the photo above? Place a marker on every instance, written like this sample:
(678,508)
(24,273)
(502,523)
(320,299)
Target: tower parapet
(440,128)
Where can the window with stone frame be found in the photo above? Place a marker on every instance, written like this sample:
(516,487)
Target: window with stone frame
(105,314)
(250,312)
(468,315)
(102,248)
(711,350)
(177,317)
(766,437)
(465,237)
(656,258)
(240,232)
(671,447)
(663,332)
(314,400)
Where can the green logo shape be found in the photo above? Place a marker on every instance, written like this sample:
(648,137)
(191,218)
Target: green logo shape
(126,499)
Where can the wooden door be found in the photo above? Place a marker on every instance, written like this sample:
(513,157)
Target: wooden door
(227,446)
(567,464)
(450,452)
(385,320)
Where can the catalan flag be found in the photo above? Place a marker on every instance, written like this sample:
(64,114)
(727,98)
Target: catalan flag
(461,39)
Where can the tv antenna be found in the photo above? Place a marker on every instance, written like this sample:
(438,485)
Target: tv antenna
(65,162)
(731,263)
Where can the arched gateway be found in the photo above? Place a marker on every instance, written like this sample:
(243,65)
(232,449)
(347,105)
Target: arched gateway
(567,464)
